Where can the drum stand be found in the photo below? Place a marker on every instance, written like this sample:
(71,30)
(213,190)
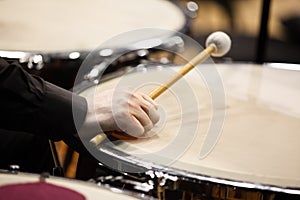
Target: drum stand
(57,169)
(263,33)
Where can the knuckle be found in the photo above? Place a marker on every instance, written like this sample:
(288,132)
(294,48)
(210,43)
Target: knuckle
(121,114)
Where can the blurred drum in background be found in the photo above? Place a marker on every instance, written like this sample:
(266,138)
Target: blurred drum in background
(53,37)
(257,155)
(45,187)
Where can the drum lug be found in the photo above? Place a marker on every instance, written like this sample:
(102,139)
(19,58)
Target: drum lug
(14,169)
(96,71)
(44,176)
(35,62)
(173,44)
(163,182)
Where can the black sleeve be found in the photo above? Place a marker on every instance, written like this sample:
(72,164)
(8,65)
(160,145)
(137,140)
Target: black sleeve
(30,104)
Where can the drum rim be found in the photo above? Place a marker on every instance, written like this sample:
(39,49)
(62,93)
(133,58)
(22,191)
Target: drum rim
(172,171)
(151,168)
(85,84)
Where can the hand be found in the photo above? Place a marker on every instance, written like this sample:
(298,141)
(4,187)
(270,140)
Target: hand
(120,110)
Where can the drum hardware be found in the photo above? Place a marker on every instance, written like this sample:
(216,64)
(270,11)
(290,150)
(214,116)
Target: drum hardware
(263,33)
(165,186)
(120,61)
(14,168)
(152,183)
(135,54)
(190,9)
(35,62)
(162,183)
(126,183)
(57,68)
(39,60)
(86,190)
(24,57)
(43,176)
(57,169)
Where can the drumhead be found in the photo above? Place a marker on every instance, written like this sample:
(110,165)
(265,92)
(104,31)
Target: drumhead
(88,190)
(55,26)
(259,140)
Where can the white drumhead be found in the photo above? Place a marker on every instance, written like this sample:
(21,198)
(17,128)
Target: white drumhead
(259,141)
(89,190)
(64,25)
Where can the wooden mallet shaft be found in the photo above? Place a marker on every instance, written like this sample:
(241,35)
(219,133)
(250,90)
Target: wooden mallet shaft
(218,44)
(201,57)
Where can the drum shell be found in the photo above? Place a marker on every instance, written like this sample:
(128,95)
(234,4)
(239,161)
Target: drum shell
(58,64)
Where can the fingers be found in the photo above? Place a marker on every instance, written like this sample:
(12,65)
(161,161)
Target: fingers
(131,112)
(143,115)
(129,124)
(151,109)
(146,110)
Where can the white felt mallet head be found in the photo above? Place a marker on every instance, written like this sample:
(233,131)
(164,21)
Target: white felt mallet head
(221,41)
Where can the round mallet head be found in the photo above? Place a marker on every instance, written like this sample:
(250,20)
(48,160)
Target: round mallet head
(221,41)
